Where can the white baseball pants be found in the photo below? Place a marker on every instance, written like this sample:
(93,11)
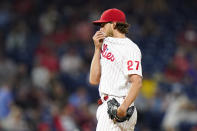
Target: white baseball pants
(106,124)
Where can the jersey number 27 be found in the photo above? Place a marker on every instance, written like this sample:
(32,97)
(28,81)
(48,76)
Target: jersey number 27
(131,63)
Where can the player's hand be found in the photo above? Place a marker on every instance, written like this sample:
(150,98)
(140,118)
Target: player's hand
(98,39)
(121,111)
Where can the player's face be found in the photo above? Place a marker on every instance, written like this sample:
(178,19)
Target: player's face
(107,29)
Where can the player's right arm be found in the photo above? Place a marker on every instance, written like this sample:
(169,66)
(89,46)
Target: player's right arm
(95,68)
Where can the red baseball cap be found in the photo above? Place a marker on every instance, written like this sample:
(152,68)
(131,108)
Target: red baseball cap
(111,15)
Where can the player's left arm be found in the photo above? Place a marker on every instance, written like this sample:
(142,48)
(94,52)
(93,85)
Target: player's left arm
(133,68)
(136,81)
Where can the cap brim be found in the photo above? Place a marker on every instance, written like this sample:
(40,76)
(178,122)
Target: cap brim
(98,22)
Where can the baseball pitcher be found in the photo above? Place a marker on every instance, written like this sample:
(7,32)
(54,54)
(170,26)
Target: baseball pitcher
(116,67)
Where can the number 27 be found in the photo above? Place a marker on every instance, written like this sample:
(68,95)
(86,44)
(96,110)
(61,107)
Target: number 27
(130,64)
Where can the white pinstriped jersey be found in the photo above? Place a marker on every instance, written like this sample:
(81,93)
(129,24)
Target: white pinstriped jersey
(120,57)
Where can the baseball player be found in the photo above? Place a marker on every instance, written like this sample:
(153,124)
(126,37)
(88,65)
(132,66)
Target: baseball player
(116,67)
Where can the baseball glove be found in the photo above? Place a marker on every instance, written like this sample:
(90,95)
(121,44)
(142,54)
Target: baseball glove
(112,111)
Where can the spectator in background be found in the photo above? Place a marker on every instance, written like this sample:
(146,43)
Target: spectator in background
(79,98)
(49,19)
(188,37)
(15,121)
(58,92)
(46,55)
(61,35)
(177,67)
(40,76)
(71,63)
(83,32)
(6,99)
(180,60)
(67,120)
(7,68)
(21,77)
(16,41)
(180,109)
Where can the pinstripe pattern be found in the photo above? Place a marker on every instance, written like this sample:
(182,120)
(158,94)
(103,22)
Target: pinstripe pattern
(114,78)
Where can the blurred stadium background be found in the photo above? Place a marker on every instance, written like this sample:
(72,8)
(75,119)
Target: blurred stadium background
(45,52)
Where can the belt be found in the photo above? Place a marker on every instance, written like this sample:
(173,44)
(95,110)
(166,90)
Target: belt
(100,101)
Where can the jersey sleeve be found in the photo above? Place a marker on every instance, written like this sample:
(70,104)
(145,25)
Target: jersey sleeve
(132,62)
